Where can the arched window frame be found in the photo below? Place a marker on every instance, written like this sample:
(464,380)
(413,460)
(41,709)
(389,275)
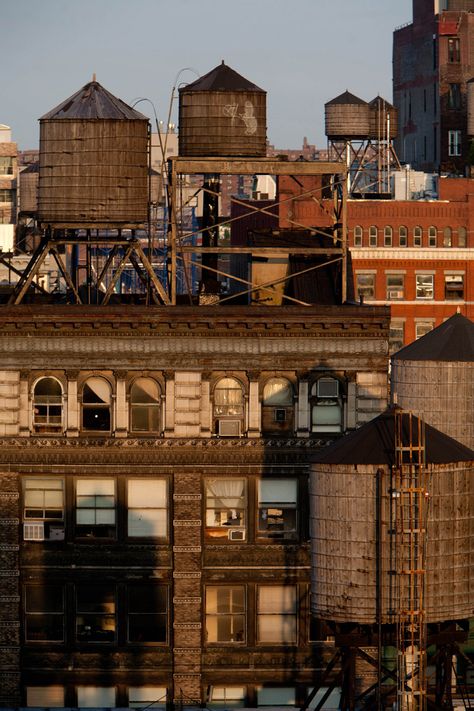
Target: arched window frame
(447,237)
(462,237)
(358,236)
(373,236)
(388,236)
(153,411)
(228,420)
(432,236)
(318,398)
(418,236)
(403,236)
(49,421)
(102,430)
(278,418)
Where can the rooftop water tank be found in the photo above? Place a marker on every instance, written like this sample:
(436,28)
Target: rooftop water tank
(347,118)
(434,378)
(351,509)
(222,114)
(383,120)
(93,162)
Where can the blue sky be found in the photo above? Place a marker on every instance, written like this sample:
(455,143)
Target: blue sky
(302,52)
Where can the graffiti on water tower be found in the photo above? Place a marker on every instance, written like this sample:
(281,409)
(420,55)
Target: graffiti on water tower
(250,121)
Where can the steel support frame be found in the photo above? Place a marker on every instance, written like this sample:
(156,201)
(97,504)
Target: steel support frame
(258,166)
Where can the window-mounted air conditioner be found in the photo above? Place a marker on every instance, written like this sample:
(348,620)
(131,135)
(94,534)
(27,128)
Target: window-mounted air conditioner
(237,534)
(395,294)
(328,387)
(229,428)
(33,531)
(56,533)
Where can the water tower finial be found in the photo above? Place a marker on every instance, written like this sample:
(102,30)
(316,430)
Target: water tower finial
(93,77)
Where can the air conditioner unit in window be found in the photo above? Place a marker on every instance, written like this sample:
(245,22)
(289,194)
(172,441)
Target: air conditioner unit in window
(229,428)
(56,533)
(33,531)
(328,387)
(237,534)
(395,294)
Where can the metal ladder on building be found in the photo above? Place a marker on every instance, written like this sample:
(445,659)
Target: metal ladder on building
(410,506)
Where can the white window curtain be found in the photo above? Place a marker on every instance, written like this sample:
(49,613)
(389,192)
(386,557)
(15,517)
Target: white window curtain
(278,391)
(227,493)
(228,391)
(277,614)
(97,390)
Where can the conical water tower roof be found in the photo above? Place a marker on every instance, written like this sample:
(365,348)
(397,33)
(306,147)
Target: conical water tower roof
(374,443)
(94,102)
(222,78)
(453,340)
(380,103)
(346,98)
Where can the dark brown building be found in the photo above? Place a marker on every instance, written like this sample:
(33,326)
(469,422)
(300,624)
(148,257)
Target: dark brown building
(153,502)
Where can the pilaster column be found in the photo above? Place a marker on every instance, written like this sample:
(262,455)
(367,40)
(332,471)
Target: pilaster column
(254,416)
(121,405)
(72,405)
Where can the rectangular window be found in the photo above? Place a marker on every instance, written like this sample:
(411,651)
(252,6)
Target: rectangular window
(6,165)
(45,696)
(147,508)
(226,504)
(277,508)
(96,697)
(387,236)
(147,613)
(422,328)
(454,96)
(276,614)
(358,236)
(6,195)
(395,286)
(424,286)
(147,697)
(373,236)
(44,613)
(365,286)
(95,508)
(276,696)
(95,613)
(223,697)
(453,287)
(454,143)
(43,512)
(417,236)
(454,50)
(432,234)
(396,336)
(225,614)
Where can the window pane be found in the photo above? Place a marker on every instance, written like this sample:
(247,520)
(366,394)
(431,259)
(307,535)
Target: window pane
(225,502)
(225,696)
(147,697)
(95,618)
(44,612)
(96,487)
(144,390)
(45,696)
(277,491)
(278,391)
(147,522)
(277,628)
(96,696)
(424,286)
(276,696)
(96,390)
(149,493)
(225,614)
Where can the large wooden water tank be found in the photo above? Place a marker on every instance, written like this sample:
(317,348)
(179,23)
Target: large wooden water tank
(350,506)
(434,378)
(383,120)
(28,179)
(222,114)
(93,162)
(347,118)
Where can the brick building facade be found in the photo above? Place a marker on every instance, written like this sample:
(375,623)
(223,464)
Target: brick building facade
(153,506)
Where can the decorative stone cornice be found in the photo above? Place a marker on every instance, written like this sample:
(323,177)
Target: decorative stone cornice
(89,443)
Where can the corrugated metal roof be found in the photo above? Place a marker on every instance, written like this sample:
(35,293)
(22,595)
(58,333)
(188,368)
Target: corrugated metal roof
(346,98)
(222,78)
(94,102)
(374,443)
(453,340)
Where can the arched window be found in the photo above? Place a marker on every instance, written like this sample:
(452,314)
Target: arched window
(402,236)
(277,406)
(47,406)
(96,405)
(417,236)
(228,407)
(326,405)
(432,233)
(145,406)
(447,237)
(358,232)
(387,236)
(373,236)
(462,233)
